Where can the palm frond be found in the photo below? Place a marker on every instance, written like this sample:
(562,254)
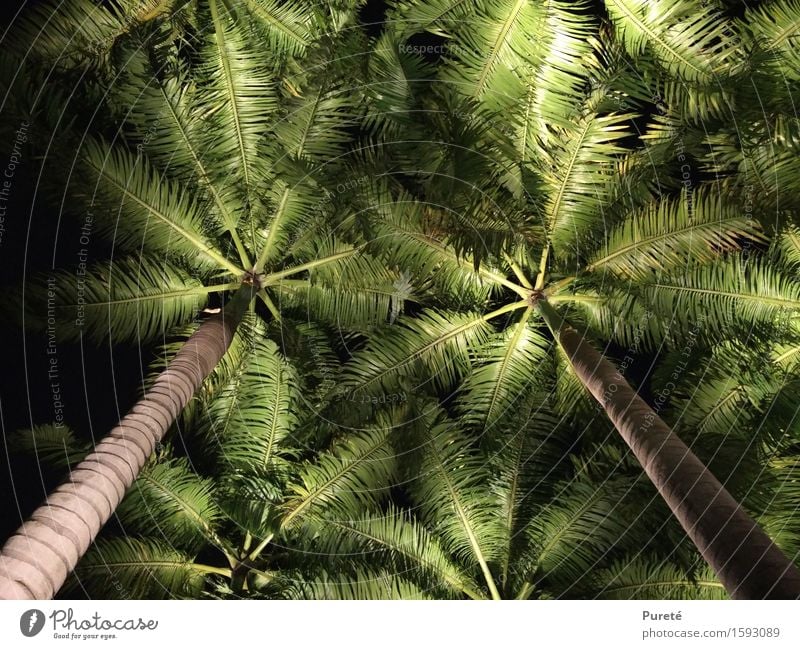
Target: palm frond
(430,15)
(170,501)
(81,33)
(574,533)
(527,457)
(353,291)
(314,126)
(449,490)
(166,119)
(138,209)
(505,372)
(779,517)
(641,578)
(760,156)
(556,78)
(53,445)
(774,28)
(579,170)
(289,201)
(310,348)
(432,348)
(722,393)
(257,414)
(363,585)
(398,79)
(405,546)
(239,96)
(129,299)
(496,39)
(354,474)
(696,228)
(407,238)
(286,25)
(129,568)
(722,296)
(787,246)
(688,39)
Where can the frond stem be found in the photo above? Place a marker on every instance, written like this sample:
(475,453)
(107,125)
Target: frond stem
(200,567)
(274,278)
(557,286)
(540,278)
(518,272)
(273,228)
(264,297)
(260,548)
(574,297)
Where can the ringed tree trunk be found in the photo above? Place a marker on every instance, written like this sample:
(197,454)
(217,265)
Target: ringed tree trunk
(35,561)
(745,559)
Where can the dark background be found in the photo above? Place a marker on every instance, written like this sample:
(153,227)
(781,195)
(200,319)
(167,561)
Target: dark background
(97,382)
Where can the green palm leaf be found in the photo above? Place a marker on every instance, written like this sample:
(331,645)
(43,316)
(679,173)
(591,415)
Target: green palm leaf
(495,39)
(525,456)
(167,121)
(432,347)
(138,209)
(315,124)
(409,548)
(579,171)
(449,489)
(554,82)
(573,534)
(643,579)
(401,233)
(787,245)
(397,83)
(239,96)
(353,291)
(363,585)
(137,569)
(774,27)
(431,15)
(52,445)
(170,501)
(688,39)
(722,296)
(258,414)
(355,473)
(695,228)
(505,373)
(130,299)
(81,33)
(286,25)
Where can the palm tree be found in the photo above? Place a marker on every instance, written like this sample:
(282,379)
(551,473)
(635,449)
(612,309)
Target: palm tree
(191,214)
(532,150)
(262,467)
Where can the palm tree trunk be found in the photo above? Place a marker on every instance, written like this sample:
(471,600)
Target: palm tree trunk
(35,561)
(745,559)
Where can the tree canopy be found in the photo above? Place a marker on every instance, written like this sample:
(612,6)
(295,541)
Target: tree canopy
(394,417)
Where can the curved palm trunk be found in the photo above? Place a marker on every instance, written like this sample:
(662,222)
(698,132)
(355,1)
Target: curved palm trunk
(35,561)
(745,559)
